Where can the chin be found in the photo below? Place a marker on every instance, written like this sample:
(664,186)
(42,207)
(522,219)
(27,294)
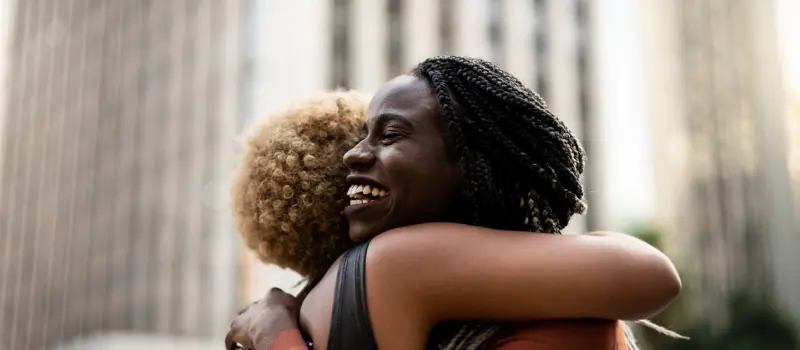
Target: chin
(359,233)
(358,237)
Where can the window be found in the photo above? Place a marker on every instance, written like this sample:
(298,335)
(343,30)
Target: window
(340,58)
(395,37)
(581,19)
(496,31)
(542,49)
(584,101)
(446,27)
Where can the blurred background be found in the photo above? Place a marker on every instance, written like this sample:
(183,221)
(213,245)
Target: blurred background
(120,124)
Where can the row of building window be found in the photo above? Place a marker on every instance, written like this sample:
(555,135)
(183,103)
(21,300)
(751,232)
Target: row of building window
(395,10)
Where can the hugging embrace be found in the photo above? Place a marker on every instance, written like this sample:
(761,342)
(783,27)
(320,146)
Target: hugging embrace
(429,218)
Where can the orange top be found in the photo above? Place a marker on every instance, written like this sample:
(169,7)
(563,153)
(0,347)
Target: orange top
(581,334)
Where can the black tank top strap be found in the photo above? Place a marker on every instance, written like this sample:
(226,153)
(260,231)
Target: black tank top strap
(350,323)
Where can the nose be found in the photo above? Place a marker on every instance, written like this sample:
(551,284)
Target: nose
(359,157)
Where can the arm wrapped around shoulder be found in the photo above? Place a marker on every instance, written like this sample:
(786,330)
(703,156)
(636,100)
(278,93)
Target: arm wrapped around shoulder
(465,272)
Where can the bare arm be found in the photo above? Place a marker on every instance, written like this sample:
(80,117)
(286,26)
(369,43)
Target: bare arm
(450,271)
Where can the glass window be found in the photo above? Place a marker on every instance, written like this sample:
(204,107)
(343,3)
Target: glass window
(395,37)
(340,51)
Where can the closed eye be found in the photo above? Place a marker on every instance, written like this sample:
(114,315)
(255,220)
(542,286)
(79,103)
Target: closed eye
(391,135)
(387,128)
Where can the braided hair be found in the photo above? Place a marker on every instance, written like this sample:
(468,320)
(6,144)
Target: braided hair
(522,165)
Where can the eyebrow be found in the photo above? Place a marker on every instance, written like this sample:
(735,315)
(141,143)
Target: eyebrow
(385,118)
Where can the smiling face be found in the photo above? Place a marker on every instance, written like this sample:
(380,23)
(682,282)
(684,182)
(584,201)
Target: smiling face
(400,173)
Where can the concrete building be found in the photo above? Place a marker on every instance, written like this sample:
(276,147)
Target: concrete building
(6,10)
(723,140)
(117,128)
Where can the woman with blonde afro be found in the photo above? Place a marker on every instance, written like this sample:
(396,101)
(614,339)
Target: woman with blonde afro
(288,194)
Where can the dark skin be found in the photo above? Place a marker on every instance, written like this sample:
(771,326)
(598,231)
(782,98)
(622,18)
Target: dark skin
(421,275)
(402,151)
(257,330)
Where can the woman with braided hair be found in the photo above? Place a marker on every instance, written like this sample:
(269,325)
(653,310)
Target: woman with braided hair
(460,141)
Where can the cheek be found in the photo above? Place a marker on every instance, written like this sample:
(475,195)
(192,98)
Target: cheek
(420,173)
(404,165)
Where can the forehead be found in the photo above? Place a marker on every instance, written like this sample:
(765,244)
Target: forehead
(407,96)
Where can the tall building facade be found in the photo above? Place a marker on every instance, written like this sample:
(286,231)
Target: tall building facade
(306,46)
(117,133)
(723,149)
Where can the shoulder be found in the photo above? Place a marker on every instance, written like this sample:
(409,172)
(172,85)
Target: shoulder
(440,237)
(317,307)
(418,266)
(402,252)
(395,280)
(411,251)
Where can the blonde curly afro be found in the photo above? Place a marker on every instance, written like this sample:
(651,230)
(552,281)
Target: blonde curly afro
(288,191)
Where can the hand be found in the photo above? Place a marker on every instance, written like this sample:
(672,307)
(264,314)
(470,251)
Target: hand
(257,325)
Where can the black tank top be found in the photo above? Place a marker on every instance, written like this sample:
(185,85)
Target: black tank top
(350,324)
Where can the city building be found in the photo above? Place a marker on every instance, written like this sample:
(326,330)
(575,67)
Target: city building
(118,127)
(724,130)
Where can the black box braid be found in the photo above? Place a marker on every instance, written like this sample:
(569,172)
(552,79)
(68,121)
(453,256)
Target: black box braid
(521,163)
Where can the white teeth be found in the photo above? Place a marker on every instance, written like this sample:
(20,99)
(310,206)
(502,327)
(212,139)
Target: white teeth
(360,201)
(357,192)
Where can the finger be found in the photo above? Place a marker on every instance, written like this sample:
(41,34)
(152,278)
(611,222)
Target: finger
(289,300)
(235,340)
(229,343)
(276,295)
(242,310)
(273,292)
(235,325)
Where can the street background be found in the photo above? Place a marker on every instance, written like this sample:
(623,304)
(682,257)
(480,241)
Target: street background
(120,123)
